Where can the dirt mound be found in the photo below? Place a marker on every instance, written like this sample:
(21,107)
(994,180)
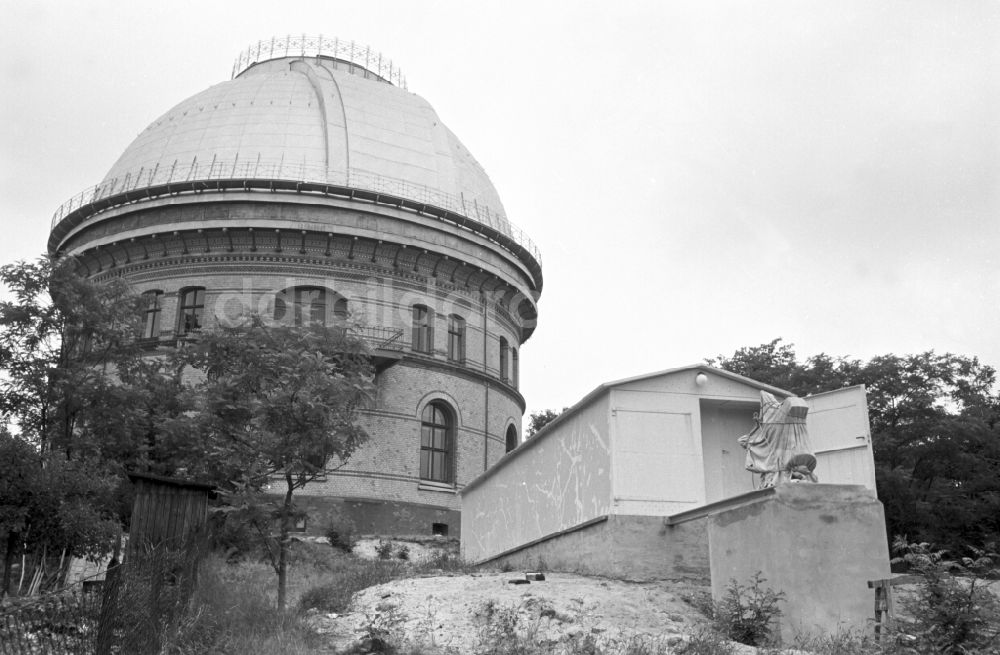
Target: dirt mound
(449,613)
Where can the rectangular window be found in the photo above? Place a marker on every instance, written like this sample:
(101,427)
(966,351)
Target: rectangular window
(423,331)
(456,338)
(151,315)
(514,373)
(303,306)
(192,308)
(435,451)
(503,359)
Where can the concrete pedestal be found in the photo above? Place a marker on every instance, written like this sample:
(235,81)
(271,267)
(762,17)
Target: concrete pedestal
(818,543)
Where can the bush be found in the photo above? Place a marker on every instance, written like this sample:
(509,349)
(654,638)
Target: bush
(383,549)
(954,611)
(502,633)
(746,613)
(383,629)
(403,552)
(341,536)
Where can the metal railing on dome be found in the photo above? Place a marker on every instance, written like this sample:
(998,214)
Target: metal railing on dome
(158,180)
(311,46)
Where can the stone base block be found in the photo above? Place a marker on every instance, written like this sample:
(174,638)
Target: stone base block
(817,543)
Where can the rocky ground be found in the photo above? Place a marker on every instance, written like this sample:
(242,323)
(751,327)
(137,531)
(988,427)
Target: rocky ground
(449,613)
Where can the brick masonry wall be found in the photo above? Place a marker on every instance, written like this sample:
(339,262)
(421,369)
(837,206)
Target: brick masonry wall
(377,517)
(388,465)
(379,301)
(246,248)
(386,469)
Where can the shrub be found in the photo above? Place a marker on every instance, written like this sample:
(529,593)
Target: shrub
(746,613)
(383,628)
(341,535)
(403,552)
(383,549)
(502,633)
(954,611)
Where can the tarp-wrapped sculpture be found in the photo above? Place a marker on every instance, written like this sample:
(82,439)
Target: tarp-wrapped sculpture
(778,447)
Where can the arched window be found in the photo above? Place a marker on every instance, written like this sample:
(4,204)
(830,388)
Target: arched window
(191,310)
(503,359)
(456,338)
(340,309)
(300,306)
(309,306)
(153,303)
(511,438)
(515,374)
(437,443)
(423,329)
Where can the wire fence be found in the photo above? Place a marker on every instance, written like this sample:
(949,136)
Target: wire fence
(127,614)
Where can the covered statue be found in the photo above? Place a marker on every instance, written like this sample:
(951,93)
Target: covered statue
(778,447)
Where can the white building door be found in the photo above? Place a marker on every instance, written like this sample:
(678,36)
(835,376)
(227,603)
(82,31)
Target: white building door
(841,437)
(657,463)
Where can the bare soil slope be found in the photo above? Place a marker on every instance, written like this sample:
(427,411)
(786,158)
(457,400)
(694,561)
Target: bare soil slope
(447,613)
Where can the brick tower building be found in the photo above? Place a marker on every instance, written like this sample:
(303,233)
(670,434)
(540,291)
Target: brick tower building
(314,186)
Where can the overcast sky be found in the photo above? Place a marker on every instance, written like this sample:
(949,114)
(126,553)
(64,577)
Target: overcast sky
(700,176)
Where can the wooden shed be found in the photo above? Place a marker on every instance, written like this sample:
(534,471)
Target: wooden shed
(167,512)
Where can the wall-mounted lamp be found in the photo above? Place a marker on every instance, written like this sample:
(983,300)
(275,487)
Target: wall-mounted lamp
(701,379)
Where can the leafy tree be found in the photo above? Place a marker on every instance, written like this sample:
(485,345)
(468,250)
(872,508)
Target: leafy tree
(19,463)
(85,405)
(776,364)
(935,422)
(51,504)
(274,403)
(62,340)
(540,419)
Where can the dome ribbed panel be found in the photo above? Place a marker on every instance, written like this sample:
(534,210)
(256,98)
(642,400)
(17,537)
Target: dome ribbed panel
(302,119)
(274,117)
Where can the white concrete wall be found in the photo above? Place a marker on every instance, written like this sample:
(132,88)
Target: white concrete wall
(659,460)
(650,447)
(553,482)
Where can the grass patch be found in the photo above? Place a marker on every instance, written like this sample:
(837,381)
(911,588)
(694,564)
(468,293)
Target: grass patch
(346,576)
(233,610)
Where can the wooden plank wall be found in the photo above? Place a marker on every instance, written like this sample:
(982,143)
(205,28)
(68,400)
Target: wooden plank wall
(166,515)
